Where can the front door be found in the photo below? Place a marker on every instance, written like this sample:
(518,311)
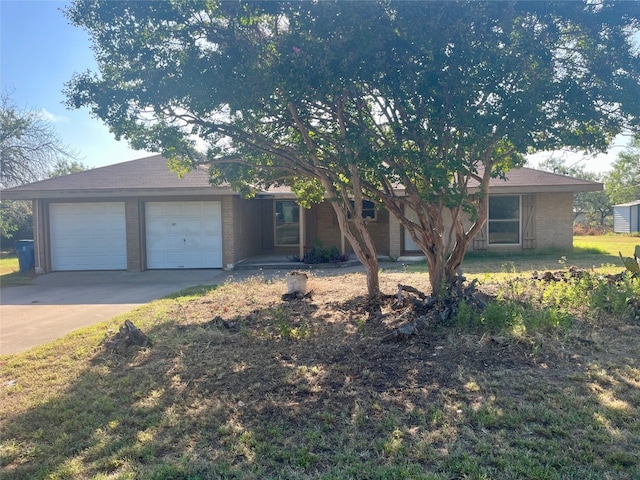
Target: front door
(287,221)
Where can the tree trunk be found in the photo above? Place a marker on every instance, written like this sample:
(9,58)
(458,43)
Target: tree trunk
(365,250)
(366,253)
(373,279)
(435,264)
(363,247)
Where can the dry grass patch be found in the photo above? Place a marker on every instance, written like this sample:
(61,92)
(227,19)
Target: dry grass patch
(240,384)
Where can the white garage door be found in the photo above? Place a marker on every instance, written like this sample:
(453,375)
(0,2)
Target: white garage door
(88,236)
(184,234)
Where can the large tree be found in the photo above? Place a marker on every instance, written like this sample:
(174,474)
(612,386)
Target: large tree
(409,104)
(29,148)
(29,145)
(622,183)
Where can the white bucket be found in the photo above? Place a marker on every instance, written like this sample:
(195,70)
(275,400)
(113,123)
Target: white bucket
(297,282)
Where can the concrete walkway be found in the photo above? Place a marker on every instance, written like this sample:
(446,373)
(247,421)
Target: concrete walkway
(58,303)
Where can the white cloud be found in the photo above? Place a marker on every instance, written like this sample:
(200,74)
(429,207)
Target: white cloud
(52,117)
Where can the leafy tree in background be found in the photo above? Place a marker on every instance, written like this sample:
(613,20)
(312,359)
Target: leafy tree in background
(622,183)
(65,167)
(16,222)
(410,104)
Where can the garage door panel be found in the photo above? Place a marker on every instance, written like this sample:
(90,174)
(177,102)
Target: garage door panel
(212,228)
(88,236)
(184,234)
(96,262)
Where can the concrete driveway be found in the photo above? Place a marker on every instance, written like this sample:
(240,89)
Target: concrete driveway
(58,303)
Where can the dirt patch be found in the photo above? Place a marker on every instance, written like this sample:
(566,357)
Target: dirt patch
(326,347)
(241,383)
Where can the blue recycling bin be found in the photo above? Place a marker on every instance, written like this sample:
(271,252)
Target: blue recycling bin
(26,257)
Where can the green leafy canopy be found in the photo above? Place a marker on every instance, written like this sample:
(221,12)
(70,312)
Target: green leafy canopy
(364,97)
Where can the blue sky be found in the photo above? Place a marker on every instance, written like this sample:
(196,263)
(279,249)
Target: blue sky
(40,51)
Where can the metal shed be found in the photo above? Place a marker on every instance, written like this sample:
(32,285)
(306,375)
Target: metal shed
(626,217)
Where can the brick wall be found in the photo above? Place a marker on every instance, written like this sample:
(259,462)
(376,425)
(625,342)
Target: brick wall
(554,220)
(246,237)
(328,231)
(395,237)
(228,239)
(135,245)
(40,236)
(553,223)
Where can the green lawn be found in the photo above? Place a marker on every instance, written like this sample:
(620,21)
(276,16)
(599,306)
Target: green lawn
(609,244)
(590,252)
(10,271)
(307,390)
(8,263)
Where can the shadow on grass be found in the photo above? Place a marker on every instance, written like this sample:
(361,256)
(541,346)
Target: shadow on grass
(289,391)
(16,278)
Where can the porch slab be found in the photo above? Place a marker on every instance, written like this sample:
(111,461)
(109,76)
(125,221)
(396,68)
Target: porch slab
(282,262)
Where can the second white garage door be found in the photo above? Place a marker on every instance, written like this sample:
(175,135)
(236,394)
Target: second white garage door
(183,234)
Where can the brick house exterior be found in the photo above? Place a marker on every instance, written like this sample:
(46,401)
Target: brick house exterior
(161,221)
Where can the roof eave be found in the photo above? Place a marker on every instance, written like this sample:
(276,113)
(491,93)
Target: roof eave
(115,192)
(520,189)
(587,187)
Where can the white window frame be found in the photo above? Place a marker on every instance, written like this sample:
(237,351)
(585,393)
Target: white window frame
(507,220)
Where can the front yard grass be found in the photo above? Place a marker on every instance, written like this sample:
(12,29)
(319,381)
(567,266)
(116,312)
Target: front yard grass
(240,384)
(597,253)
(10,274)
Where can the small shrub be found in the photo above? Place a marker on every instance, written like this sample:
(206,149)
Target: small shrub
(466,316)
(592,294)
(321,254)
(498,316)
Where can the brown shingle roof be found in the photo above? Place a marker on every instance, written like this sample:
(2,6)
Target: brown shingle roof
(528,177)
(148,172)
(151,175)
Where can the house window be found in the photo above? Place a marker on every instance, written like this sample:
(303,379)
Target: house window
(368,209)
(287,219)
(504,220)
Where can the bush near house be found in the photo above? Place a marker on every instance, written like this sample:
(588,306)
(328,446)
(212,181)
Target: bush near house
(320,254)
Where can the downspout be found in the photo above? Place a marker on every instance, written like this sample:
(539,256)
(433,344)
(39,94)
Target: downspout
(37,213)
(301,229)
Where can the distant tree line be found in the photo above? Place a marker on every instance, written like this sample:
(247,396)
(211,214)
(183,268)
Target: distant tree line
(621,185)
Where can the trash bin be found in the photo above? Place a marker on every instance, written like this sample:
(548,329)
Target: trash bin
(26,257)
